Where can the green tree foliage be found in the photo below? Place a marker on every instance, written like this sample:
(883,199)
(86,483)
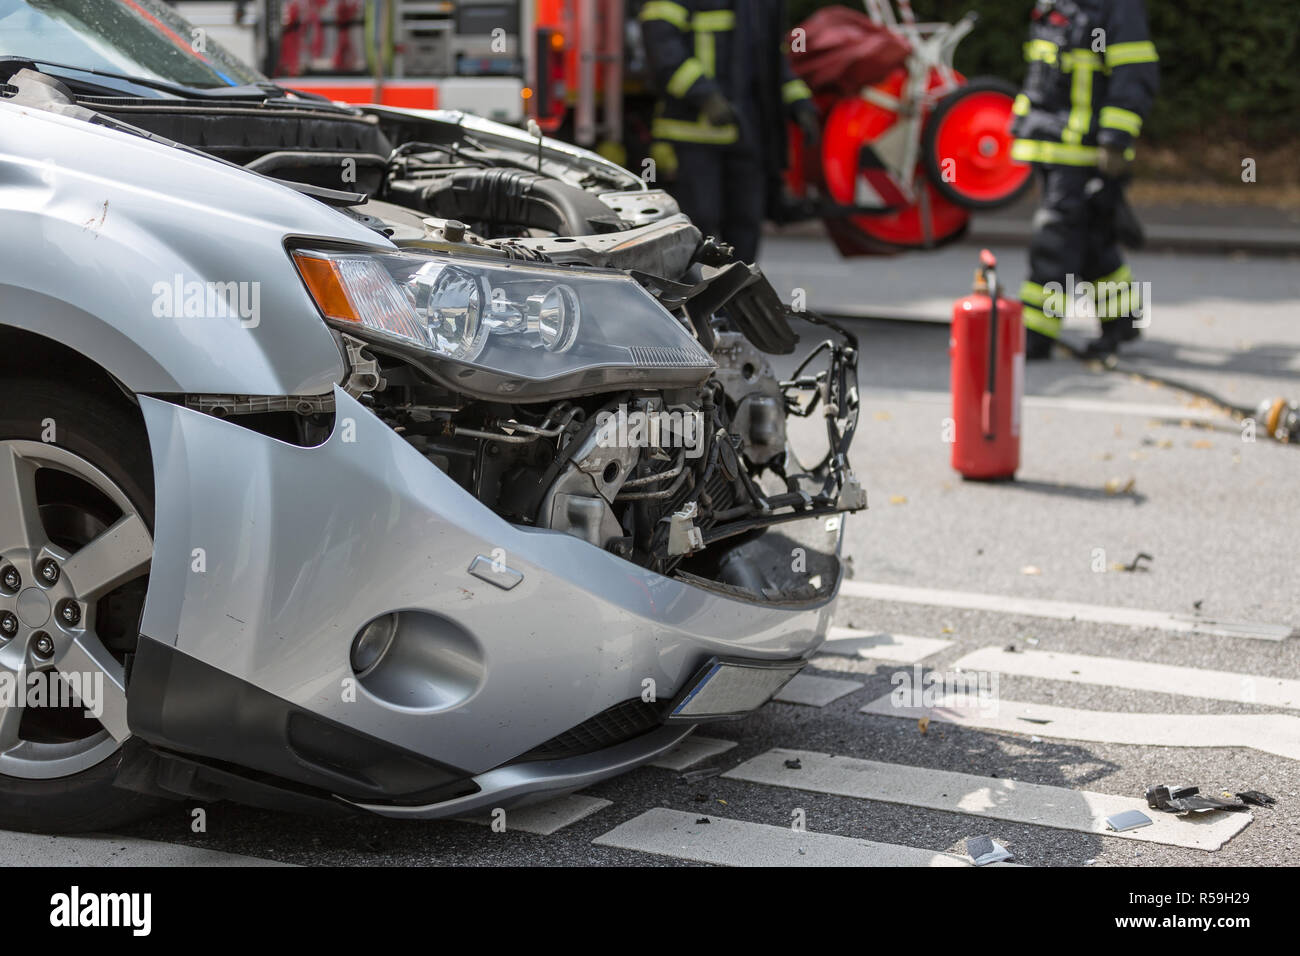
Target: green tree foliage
(1228,67)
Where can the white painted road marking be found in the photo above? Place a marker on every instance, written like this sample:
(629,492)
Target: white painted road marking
(1058,807)
(883,646)
(691,751)
(1137,675)
(739,843)
(1062,403)
(1271,733)
(546,817)
(1065,610)
(813,691)
(97,849)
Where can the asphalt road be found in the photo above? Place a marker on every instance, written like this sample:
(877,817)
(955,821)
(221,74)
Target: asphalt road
(1216,514)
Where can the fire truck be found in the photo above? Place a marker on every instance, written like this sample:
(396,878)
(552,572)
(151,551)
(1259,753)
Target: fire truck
(558,62)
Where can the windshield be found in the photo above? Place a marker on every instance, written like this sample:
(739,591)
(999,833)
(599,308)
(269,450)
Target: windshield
(139,38)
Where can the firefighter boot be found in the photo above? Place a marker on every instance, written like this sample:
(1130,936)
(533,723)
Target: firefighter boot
(1113,333)
(1037,346)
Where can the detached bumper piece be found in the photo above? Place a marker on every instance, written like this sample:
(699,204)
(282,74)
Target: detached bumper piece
(731,689)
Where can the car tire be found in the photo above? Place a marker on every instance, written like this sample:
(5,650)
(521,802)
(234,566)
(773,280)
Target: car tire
(70,449)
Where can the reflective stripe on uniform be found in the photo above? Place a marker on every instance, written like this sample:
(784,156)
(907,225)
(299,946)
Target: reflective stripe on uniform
(1036,321)
(1031,293)
(1021,105)
(1043,51)
(684,77)
(686,131)
(795,90)
(1112,117)
(1060,154)
(705,24)
(1126,54)
(706,51)
(714,21)
(1077,126)
(665,10)
(1116,295)
(1072,59)
(1057,154)
(1122,274)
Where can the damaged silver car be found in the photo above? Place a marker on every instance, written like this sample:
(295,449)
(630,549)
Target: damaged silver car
(372,458)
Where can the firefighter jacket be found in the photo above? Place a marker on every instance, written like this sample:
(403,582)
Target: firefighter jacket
(1092,75)
(734,47)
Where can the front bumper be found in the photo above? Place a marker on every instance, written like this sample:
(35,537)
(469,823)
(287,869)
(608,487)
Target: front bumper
(270,558)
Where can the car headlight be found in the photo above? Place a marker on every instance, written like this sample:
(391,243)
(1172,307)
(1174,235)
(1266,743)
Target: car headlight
(505,328)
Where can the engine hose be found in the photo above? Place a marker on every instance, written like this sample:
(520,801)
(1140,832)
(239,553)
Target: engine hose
(1279,418)
(516,197)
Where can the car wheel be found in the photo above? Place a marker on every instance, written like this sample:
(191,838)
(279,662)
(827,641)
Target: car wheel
(76,540)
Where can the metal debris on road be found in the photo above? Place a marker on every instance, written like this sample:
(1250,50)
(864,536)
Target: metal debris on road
(1128,820)
(984,850)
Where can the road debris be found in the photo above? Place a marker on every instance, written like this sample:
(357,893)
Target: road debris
(1118,486)
(1135,564)
(923,725)
(1128,820)
(1256,799)
(794,764)
(984,850)
(1172,799)
(690,776)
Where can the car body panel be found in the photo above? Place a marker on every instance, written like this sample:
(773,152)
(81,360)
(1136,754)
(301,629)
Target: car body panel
(302,547)
(89,240)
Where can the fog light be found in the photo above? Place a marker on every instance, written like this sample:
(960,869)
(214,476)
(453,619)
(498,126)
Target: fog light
(372,643)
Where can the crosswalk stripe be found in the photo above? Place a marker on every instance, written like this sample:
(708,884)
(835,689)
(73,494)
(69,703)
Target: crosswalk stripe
(694,749)
(995,797)
(1056,403)
(729,842)
(1065,611)
(1137,675)
(99,849)
(904,648)
(813,691)
(546,817)
(1271,733)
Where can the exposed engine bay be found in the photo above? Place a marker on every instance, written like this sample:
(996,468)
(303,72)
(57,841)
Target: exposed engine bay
(677,459)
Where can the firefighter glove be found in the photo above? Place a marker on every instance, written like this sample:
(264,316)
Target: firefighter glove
(1112,162)
(718,111)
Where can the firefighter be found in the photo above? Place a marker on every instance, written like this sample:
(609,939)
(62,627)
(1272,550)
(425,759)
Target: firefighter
(1091,78)
(725,91)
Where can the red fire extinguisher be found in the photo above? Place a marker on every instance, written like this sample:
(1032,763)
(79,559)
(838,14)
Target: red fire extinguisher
(987,349)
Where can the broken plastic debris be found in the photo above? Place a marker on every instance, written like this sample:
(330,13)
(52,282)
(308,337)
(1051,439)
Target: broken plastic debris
(1256,799)
(1128,820)
(984,850)
(1172,799)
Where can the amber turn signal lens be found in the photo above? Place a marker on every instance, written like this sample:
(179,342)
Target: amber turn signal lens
(326,287)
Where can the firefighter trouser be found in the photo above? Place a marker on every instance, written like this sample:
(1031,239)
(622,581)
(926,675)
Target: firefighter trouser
(723,190)
(1075,242)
